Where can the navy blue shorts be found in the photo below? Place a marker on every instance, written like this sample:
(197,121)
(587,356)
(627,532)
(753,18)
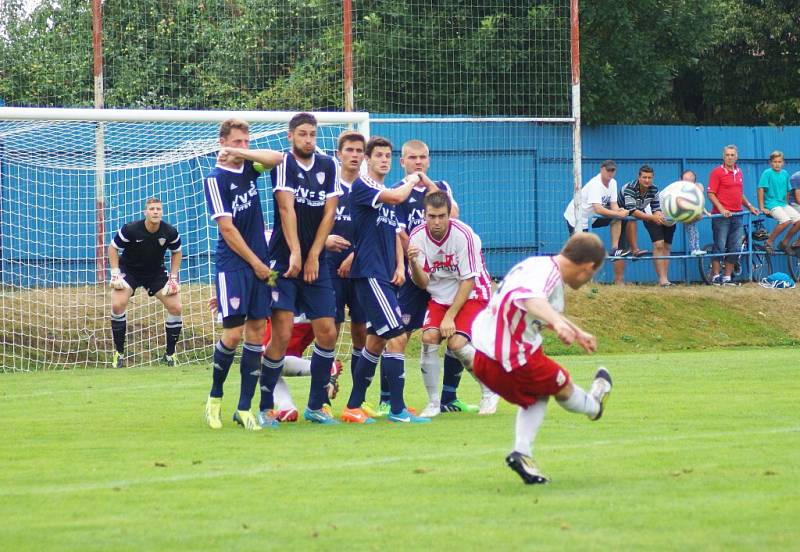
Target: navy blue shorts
(153,283)
(241,293)
(413,304)
(379,301)
(315,300)
(346,295)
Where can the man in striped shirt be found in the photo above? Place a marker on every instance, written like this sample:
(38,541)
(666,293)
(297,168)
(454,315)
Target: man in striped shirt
(640,198)
(507,354)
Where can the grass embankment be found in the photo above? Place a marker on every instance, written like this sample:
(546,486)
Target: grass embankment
(651,319)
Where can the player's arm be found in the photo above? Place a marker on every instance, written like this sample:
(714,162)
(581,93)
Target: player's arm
(396,196)
(117,281)
(267,158)
(416,260)
(586,340)
(448,325)
(404,239)
(285,201)
(237,244)
(760,193)
(311,268)
(541,309)
(400,270)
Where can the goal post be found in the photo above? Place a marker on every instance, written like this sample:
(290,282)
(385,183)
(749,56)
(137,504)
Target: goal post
(66,188)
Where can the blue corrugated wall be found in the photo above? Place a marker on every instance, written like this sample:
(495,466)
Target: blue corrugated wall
(512,191)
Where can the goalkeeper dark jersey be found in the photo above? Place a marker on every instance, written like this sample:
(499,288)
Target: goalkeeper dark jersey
(142,252)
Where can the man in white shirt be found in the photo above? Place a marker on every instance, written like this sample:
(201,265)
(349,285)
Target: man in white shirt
(599,197)
(507,355)
(445,260)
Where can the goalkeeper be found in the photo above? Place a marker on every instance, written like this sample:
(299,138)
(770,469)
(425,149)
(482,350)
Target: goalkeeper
(136,257)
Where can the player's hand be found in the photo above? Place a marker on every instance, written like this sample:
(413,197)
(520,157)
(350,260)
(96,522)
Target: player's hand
(172,286)
(413,179)
(448,326)
(754,210)
(262,271)
(399,276)
(335,243)
(212,306)
(564,332)
(412,252)
(725,213)
(622,213)
(294,266)
(659,216)
(344,268)
(118,280)
(311,269)
(587,341)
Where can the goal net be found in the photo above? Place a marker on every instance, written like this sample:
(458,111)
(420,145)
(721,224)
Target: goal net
(69,179)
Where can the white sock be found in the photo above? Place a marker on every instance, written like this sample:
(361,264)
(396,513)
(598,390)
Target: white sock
(296,366)
(431,371)
(580,402)
(283,398)
(465,355)
(529,420)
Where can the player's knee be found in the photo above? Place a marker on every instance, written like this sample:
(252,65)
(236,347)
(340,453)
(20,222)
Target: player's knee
(565,392)
(397,344)
(326,335)
(231,337)
(456,342)
(431,337)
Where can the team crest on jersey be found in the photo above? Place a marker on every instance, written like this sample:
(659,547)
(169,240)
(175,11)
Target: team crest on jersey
(162,241)
(235,302)
(320,177)
(406,318)
(561,378)
(275,295)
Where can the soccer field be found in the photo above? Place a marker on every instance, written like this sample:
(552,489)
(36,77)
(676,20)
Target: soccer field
(695,451)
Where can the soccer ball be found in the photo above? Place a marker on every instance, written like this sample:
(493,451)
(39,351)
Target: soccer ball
(682,201)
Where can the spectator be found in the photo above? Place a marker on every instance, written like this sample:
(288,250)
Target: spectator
(599,197)
(691,226)
(726,192)
(641,199)
(773,189)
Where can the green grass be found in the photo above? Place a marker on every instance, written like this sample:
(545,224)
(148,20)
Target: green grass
(696,451)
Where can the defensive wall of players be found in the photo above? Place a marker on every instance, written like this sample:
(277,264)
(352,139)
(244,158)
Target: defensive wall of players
(513,193)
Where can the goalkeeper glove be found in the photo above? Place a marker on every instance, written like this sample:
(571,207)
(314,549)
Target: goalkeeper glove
(172,286)
(118,280)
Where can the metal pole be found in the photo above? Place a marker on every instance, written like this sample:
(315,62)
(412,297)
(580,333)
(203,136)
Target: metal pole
(347,62)
(100,152)
(576,106)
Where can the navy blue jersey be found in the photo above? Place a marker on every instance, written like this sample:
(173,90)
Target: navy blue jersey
(141,251)
(411,213)
(343,226)
(312,186)
(233,193)
(374,229)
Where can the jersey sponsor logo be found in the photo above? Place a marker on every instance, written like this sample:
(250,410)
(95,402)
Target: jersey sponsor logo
(312,198)
(341,215)
(320,177)
(162,241)
(234,302)
(242,202)
(386,215)
(448,264)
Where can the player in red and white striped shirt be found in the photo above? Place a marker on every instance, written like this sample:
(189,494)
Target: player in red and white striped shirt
(446,261)
(509,357)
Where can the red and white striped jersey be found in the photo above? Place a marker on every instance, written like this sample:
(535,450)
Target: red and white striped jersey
(504,331)
(449,261)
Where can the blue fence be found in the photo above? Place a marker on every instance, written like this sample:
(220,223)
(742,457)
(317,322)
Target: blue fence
(513,192)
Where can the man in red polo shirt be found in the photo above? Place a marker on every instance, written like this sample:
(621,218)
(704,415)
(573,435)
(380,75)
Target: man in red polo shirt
(726,192)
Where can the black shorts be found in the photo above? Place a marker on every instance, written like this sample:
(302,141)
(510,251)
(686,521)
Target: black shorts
(153,283)
(596,223)
(658,232)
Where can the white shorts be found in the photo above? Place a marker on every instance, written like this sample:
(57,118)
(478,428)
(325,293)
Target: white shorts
(785,213)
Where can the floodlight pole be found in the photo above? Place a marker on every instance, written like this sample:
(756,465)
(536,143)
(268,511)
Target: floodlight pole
(100,150)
